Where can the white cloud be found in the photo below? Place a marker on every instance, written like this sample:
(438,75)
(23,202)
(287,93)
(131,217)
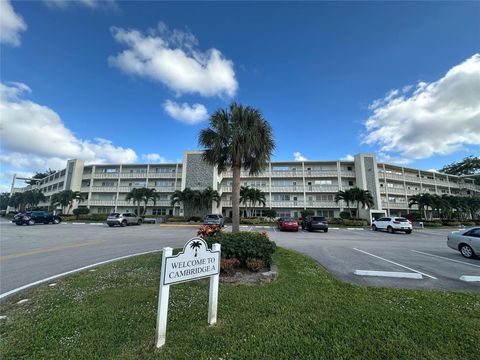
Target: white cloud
(348,157)
(185,113)
(299,157)
(92,4)
(153,157)
(440,117)
(387,158)
(11,24)
(172,58)
(34,137)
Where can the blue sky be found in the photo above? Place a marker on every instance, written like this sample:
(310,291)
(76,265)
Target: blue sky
(333,79)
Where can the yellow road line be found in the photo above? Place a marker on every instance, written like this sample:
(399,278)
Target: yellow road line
(47,250)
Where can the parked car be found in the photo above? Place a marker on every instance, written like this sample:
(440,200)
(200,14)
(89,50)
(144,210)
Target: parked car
(467,241)
(214,219)
(392,224)
(311,223)
(123,219)
(37,217)
(17,216)
(288,224)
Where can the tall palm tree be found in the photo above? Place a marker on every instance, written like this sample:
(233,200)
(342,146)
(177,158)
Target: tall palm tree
(257,196)
(136,195)
(65,199)
(245,197)
(208,196)
(149,194)
(345,196)
(238,136)
(362,198)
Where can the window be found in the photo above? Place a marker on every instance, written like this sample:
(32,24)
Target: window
(323,182)
(164,183)
(281,197)
(109,183)
(160,211)
(473,233)
(110,170)
(325,213)
(350,183)
(349,168)
(104,210)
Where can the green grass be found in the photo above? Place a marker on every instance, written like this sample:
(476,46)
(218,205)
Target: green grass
(305,314)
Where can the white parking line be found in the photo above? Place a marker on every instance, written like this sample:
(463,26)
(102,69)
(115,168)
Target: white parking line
(11,292)
(470,278)
(392,262)
(395,274)
(445,258)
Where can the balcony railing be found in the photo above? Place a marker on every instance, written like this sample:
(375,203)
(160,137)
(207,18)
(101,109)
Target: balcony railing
(286,188)
(321,188)
(392,205)
(153,175)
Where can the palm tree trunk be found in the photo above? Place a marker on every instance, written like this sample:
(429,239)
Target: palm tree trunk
(358,210)
(236,199)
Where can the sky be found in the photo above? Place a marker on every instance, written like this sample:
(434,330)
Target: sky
(123,82)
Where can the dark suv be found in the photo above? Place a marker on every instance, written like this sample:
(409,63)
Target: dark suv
(36,217)
(315,223)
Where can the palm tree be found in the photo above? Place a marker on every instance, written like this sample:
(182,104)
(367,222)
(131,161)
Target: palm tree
(149,194)
(136,195)
(238,136)
(208,196)
(195,245)
(65,199)
(362,198)
(257,196)
(245,196)
(345,196)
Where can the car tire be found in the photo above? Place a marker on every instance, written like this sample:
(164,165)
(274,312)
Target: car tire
(31,222)
(374,228)
(326,230)
(123,223)
(18,223)
(139,222)
(390,230)
(46,222)
(111,225)
(408,232)
(466,251)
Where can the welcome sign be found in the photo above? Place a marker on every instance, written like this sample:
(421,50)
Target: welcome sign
(196,261)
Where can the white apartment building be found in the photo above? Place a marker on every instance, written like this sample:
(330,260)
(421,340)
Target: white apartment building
(290,186)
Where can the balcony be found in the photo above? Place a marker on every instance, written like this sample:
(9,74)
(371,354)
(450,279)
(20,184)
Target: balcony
(350,174)
(169,175)
(392,205)
(286,189)
(245,174)
(287,173)
(392,176)
(102,176)
(322,173)
(103,189)
(321,188)
(399,191)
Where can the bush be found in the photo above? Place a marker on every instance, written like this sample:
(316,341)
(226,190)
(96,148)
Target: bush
(270,213)
(250,221)
(345,215)
(305,213)
(227,220)
(468,223)
(254,265)
(244,246)
(206,231)
(358,222)
(229,266)
(176,219)
(195,218)
(450,223)
(334,221)
(434,223)
(81,211)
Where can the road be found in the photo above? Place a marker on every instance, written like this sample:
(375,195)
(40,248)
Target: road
(32,253)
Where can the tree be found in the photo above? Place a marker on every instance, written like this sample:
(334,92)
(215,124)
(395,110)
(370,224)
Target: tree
(238,136)
(149,194)
(80,211)
(345,196)
(270,213)
(257,196)
(65,199)
(362,198)
(208,196)
(245,197)
(136,195)
(4,199)
(39,176)
(468,166)
(26,200)
(195,200)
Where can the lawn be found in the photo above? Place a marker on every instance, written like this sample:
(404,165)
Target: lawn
(304,314)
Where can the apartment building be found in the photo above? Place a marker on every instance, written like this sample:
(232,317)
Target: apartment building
(290,186)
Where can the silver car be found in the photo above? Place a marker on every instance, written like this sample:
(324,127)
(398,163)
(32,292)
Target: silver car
(123,219)
(214,219)
(467,241)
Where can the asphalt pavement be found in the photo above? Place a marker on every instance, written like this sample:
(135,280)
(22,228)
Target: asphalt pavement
(32,253)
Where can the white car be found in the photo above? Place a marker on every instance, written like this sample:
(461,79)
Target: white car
(392,224)
(467,241)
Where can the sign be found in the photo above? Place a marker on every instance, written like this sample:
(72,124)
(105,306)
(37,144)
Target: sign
(196,261)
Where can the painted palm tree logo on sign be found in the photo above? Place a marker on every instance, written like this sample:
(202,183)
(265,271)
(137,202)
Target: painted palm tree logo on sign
(195,245)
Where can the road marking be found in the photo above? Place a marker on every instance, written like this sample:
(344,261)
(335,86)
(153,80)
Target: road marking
(274,230)
(395,274)
(250,228)
(470,278)
(442,257)
(14,291)
(392,262)
(47,250)
(355,229)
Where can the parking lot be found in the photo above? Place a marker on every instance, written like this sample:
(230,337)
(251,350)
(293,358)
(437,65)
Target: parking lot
(420,260)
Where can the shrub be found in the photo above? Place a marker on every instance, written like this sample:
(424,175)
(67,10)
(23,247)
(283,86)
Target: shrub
(81,211)
(358,222)
(434,223)
(94,217)
(468,223)
(335,221)
(254,265)
(345,215)
(244,246)
(305,213)
(450,223)
(176,218)
(250,221)
(195,218)
(229,266)
(227,220)
(206,231)
(270,213)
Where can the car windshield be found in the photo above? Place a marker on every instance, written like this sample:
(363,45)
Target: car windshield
(115,215)
(401,219)
(318,218)
(288,219)
(212,216)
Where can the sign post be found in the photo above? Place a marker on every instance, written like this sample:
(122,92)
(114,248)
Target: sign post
(196,261)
